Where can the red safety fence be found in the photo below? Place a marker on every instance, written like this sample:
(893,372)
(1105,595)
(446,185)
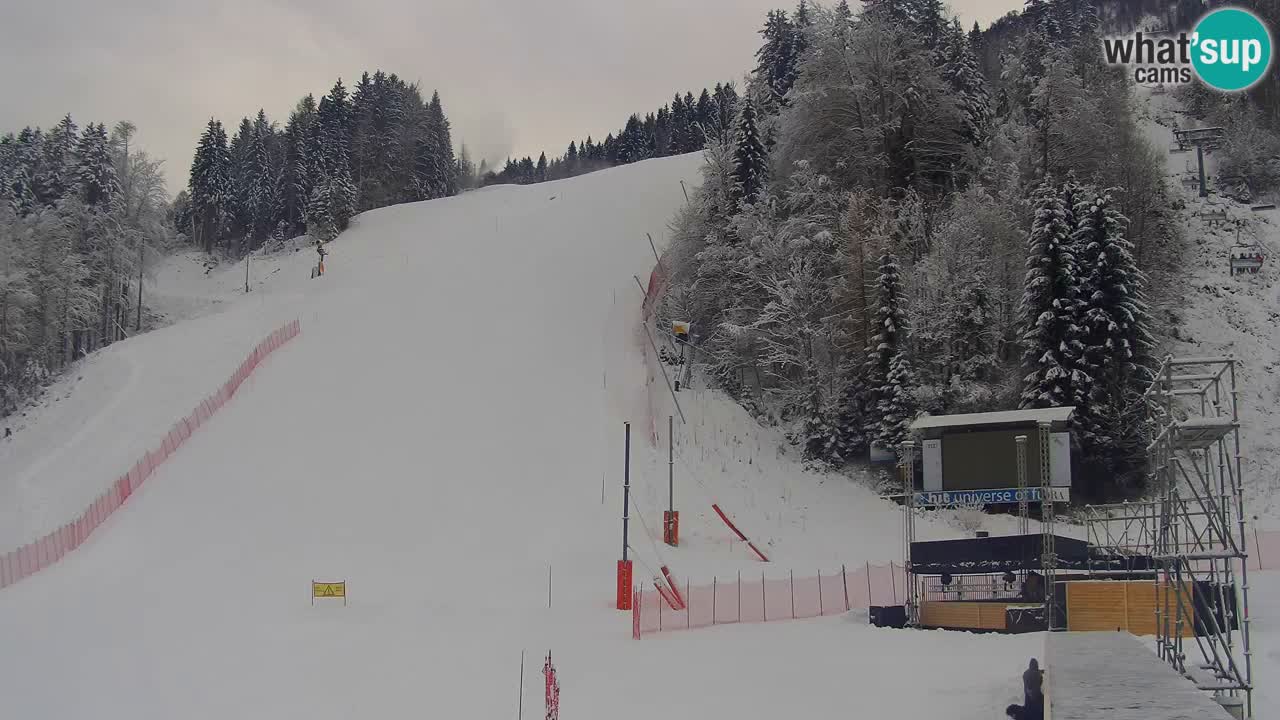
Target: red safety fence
(738,599)
(753,599)
(36,556)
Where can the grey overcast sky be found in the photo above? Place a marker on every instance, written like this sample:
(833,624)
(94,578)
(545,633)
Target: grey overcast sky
(516,76)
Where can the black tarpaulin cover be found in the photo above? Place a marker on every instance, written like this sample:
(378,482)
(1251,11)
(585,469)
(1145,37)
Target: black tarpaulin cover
(994,554)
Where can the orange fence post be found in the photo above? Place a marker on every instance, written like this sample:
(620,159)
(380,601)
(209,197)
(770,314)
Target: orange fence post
(793,594)
(713,600)
(764,599)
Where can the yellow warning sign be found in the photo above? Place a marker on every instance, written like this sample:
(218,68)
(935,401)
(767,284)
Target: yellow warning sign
(680,328)
(328,590)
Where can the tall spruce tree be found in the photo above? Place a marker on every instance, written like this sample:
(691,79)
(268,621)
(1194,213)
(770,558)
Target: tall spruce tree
(750,165)
(960,69)
(57,176)
(444,144)
(22,184)
(95,169)
(262,182)
(1051,308)
(897,407)
(210,186)
(887,342)
(1116,321)
(777,56)
(334,120)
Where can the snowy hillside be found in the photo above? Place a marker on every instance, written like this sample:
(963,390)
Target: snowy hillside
(1221,314)
(437,436)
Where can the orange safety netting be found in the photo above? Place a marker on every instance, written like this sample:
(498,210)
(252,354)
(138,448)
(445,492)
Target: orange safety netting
(748,599)
(40,554)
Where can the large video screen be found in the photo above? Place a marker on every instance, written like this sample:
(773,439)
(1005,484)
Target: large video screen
(982,460)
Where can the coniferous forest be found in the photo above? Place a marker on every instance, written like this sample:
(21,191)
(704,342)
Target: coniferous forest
(894,226)
(379,143)
(684,125)
(82,213)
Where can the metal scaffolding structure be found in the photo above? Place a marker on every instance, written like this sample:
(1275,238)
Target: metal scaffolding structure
(1048,551)
(1193,536)
(1024,509)
(907,464)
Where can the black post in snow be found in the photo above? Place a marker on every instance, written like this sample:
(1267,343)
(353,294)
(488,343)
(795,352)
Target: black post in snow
(1204,191)
(626,490)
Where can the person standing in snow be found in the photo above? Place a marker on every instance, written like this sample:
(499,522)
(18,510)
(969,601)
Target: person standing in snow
(1033,690)
(321,252)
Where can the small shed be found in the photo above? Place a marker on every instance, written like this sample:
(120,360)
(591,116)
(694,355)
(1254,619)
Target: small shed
(978,451)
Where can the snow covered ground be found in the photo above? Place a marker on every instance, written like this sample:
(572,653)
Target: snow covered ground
(438,437)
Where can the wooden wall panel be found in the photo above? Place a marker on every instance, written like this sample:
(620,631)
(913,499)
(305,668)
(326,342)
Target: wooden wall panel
(1109,605)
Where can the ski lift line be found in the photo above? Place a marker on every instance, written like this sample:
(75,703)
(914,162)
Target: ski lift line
(663,368)
(649,534)
(645,296)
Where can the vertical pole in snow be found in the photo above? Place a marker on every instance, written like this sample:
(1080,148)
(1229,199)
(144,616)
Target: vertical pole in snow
(626,490)
(246,273)
(844,581)
(821,612)
(671,460)
(793,594)
(764,599)
(1204,192)
(870,602)
(520,707)
(625,586)
(670,522)
(141,258)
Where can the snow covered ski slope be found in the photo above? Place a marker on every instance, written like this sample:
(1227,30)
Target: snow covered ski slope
(439,437)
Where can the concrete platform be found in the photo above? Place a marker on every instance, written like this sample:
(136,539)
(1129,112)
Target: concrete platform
(1094,675)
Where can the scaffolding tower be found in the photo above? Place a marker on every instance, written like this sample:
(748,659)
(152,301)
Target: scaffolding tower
(1192,538)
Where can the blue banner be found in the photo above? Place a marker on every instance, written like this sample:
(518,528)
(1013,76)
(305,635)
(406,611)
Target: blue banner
(1004,496)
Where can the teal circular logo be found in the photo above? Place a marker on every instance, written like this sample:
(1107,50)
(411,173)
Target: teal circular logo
(1231,49)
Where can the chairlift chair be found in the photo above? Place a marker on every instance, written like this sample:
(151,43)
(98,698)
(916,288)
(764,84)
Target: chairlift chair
(1246,258)
(1213,217)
